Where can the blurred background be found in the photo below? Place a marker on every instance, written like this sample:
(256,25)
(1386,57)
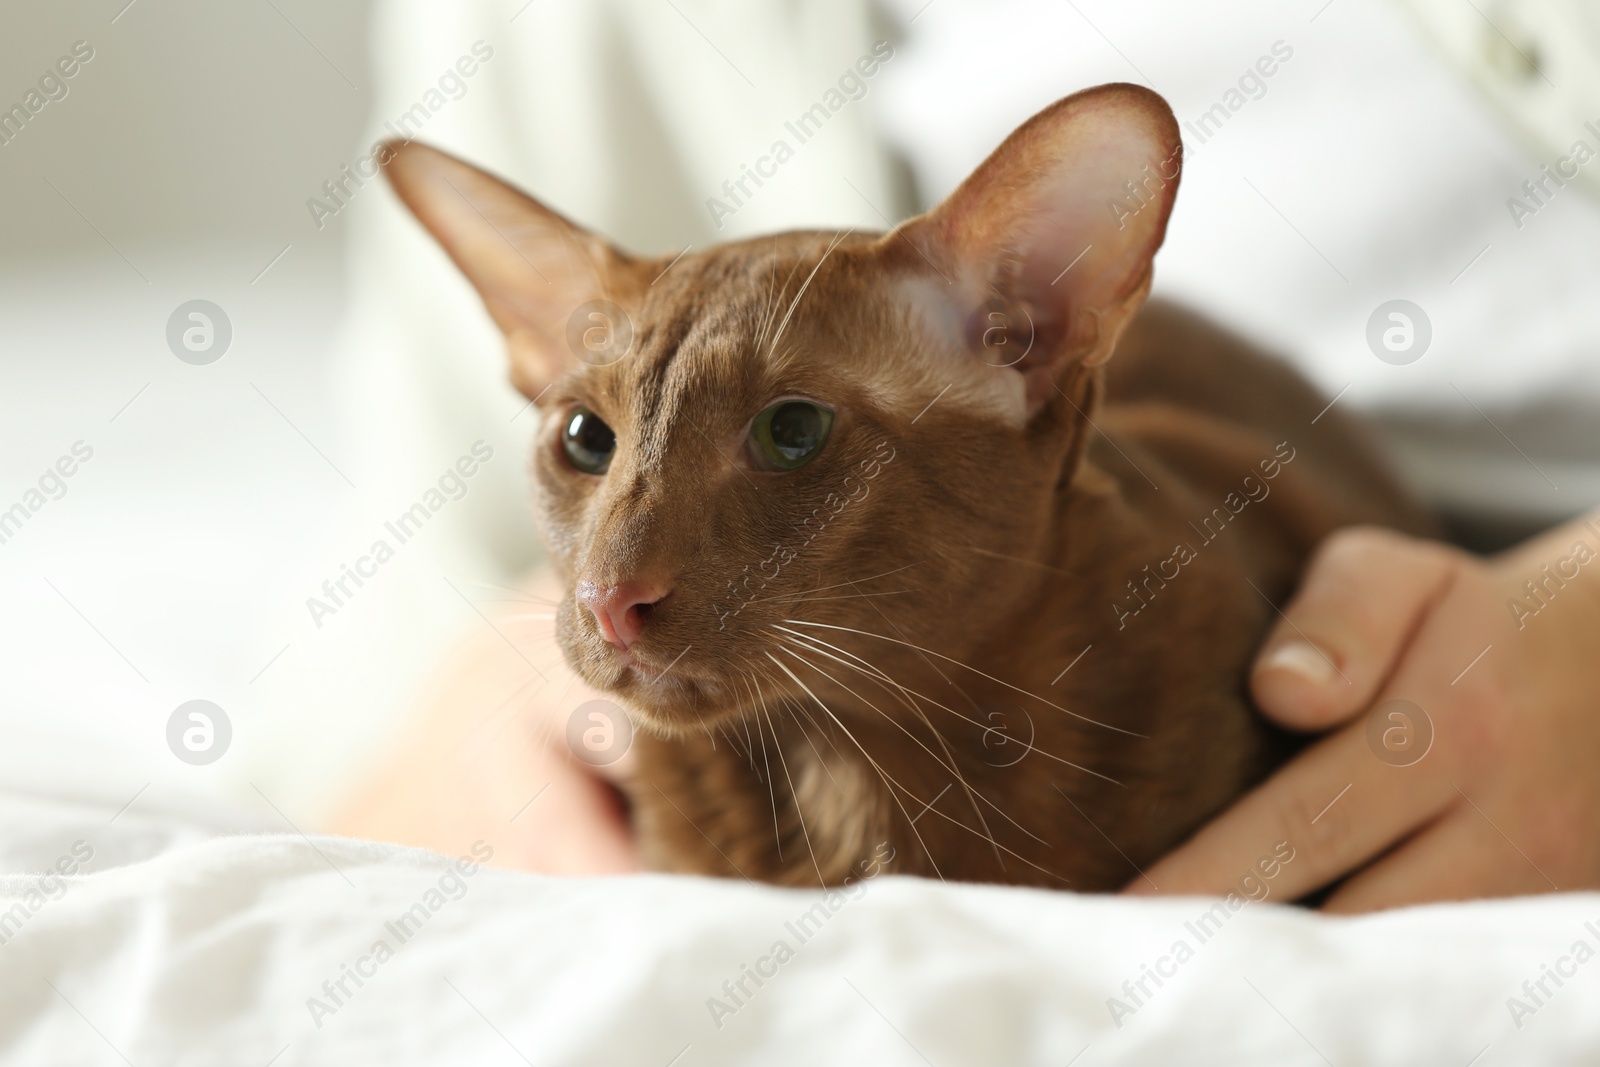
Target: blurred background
(1341,155)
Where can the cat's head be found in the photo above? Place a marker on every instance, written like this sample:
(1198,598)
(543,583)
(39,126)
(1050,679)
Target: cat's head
(788,442)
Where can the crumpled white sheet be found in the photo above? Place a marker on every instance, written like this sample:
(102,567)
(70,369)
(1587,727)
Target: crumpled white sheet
(211,950)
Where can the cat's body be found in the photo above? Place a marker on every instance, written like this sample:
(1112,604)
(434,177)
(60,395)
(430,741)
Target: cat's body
(990,599)
(1179,452)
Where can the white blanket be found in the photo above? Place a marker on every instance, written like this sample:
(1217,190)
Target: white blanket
(241,950)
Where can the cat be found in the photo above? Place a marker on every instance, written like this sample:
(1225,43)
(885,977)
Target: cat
(939,543)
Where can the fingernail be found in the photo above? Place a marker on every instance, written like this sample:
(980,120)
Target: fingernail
(1301,658)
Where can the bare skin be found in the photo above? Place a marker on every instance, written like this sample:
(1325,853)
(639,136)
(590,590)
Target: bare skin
(1504,802)
(487,737)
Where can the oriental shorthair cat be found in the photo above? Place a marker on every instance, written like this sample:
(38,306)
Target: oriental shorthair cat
(939,539)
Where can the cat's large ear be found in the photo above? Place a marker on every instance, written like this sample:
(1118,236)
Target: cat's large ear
(1046,248)
(532,267)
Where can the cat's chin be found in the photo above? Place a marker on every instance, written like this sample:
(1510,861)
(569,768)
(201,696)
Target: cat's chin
(674,708)
(668,702)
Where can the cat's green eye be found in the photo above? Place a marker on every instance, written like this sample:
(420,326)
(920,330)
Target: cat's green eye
(588,442)
(789,434)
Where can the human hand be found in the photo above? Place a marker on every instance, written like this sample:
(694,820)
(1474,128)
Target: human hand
(485,757)
(1491,790)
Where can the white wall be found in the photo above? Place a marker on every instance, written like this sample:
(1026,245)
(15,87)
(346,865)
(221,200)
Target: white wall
(194,121)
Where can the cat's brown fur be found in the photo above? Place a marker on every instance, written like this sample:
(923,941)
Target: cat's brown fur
(859,651)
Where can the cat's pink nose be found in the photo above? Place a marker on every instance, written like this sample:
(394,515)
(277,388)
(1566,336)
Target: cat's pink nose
(621,610)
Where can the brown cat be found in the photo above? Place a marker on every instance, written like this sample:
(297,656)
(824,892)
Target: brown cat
(877,545)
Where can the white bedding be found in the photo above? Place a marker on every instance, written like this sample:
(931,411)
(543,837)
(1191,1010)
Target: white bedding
(177,950)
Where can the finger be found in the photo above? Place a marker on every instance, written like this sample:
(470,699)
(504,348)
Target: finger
(1336,806)
(1363,596)
(1463,857)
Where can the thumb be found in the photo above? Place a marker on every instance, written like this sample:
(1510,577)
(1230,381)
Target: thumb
(1363,596)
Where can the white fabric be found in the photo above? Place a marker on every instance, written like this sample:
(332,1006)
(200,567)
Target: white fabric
(1365,170)
(1537,60)
(209,954)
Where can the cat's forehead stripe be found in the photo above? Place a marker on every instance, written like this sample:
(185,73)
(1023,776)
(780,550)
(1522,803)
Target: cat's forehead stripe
(681,347)
(663,343)
(705,334)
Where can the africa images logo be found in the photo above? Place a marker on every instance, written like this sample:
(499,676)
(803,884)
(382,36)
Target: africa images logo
(851,86)
(52,86)
(452,486)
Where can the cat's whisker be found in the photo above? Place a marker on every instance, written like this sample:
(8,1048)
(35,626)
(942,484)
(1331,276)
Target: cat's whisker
(871,670)
(974,670)
(730,738)
(766,756)
(907,697)
(887,779)
(852,582)
(948,762)
(772,790)
(756,676)
(516,594)
(769,300)
(985,836)
(798,710)
(799,813)
(973,795)
(770,311)
(950,767)
(744,675)
(767,303)
(527,645)
(750,745)
(803,287)
(521,640)
(877,674)
(933,666)
(772,793)
(802,598)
